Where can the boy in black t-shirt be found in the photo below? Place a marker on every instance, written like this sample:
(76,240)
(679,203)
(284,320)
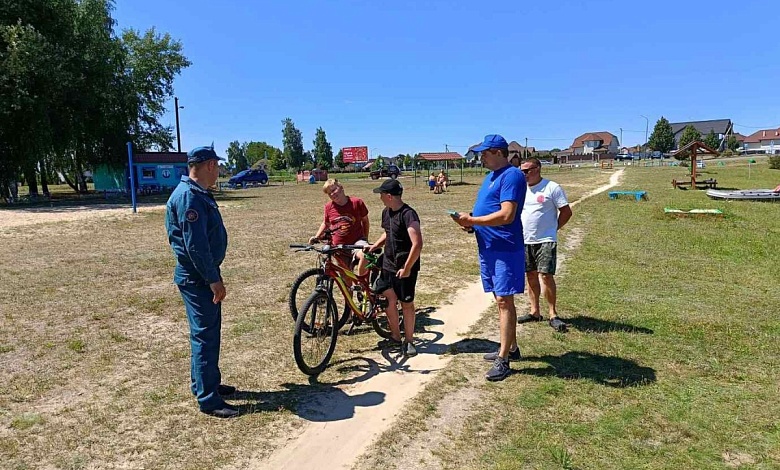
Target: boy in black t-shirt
(403,243)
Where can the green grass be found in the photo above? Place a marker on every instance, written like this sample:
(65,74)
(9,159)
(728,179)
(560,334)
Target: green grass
(671,361)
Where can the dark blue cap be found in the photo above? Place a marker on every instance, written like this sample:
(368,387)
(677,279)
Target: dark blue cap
(202,154)
(492,141)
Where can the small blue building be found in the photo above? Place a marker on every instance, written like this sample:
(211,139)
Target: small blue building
(153,172)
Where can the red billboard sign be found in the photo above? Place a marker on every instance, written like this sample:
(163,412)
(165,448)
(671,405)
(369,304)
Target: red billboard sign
(355,154)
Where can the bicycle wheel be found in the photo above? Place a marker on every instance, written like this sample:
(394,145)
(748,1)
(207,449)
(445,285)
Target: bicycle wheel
(315,334)
(382,326)
(302,288)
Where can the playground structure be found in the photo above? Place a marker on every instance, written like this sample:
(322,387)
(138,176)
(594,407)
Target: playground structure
(696,148)
(607,164)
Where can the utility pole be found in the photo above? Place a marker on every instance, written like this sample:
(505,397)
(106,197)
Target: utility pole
(647,125)
(621,138)
(525,150)
(178,132)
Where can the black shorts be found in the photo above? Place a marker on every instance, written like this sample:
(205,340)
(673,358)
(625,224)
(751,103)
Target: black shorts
(404,288)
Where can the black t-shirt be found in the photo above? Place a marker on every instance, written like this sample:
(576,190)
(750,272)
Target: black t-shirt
(398,244)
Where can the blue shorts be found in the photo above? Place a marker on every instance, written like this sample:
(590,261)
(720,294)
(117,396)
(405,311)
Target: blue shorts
(503,273)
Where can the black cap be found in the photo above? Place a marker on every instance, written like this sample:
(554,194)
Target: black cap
(390,186)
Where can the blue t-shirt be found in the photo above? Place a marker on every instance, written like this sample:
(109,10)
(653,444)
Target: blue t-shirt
(505,184)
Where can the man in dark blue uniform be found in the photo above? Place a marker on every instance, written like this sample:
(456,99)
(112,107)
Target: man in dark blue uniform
(199,241)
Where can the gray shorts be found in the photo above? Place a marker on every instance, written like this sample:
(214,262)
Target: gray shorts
(541,257)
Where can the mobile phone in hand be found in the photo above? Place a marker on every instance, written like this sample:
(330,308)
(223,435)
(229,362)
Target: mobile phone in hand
(453,213)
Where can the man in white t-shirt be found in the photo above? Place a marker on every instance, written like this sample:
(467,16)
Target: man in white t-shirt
(545,211)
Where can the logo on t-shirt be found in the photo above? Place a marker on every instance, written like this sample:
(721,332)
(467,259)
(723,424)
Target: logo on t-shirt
(540,198)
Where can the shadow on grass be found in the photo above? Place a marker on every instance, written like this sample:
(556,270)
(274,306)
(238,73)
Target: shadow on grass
(597,325)
(609,371)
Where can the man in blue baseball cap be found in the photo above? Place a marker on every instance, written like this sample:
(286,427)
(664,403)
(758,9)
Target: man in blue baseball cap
(496,222)
(199,241)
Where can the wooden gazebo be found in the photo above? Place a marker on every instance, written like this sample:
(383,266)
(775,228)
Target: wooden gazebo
(696,148)
(440,156)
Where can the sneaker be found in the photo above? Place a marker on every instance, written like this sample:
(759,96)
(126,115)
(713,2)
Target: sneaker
(558,325)
(527,318)
(226,411)
(409,349)
(226,390)
(499,371)
(513,355)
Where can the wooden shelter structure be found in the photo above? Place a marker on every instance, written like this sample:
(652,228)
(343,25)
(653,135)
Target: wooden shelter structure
(696,148)
(440,156)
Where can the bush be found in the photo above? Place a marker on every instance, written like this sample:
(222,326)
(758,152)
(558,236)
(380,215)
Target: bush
(774,162)
(727,153)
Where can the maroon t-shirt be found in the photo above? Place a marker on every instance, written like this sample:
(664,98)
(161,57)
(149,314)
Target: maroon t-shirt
(346,221)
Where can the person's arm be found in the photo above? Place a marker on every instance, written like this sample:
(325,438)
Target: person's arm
(379,243)
(193,223)
(319,233)
(564,214)
(505,215)
(366,225)
(415,235)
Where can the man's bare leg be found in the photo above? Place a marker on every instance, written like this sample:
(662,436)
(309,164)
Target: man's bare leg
(550,292)
(507,320)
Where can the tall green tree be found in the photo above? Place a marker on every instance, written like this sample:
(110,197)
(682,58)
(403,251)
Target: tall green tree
(323,152)
(689,134)
(292,144)
(257,152)
(236,155)
(72,92)
(732,143)
(153,61)
(712,140)
(662,138)
(338,160)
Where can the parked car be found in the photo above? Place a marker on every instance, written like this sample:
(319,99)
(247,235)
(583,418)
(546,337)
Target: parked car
(623,156)
(389,171)
(545,162)
(248,178)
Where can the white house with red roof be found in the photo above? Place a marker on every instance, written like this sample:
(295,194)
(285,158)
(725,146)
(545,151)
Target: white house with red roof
(763,141)
(595,143)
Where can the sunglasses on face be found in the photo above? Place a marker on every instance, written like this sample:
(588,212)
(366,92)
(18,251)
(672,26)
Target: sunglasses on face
(526,170)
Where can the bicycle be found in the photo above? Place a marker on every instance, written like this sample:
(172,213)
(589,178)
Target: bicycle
(317,324)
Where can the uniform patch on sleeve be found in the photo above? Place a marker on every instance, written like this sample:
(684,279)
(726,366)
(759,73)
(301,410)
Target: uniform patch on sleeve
(191,215)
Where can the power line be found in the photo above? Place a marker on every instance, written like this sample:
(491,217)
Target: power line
(753,127)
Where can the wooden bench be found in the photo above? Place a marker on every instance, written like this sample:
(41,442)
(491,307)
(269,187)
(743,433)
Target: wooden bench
(638,195)
(703,184)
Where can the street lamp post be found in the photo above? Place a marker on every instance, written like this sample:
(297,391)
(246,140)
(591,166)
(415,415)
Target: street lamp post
(647,124)
(178,132)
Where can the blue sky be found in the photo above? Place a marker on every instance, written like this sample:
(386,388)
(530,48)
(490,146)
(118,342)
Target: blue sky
(412,76)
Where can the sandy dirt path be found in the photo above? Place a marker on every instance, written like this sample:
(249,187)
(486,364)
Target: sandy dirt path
(350,419)
(41,215)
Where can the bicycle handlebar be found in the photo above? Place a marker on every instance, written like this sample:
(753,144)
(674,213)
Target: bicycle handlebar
(326,249)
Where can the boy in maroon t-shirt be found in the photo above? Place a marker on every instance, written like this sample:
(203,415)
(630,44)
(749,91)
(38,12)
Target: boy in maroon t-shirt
(347,219)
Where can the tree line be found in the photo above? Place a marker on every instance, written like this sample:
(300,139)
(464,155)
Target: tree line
(73,90)
(662,138)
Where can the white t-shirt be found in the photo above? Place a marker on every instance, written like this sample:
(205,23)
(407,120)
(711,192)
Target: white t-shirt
(540,212)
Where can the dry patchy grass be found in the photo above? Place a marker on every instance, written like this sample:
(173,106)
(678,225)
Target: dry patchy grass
(94,343)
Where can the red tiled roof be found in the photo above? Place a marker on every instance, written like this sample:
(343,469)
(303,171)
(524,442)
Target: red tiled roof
(604,136)
(763,134)
(435,156)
